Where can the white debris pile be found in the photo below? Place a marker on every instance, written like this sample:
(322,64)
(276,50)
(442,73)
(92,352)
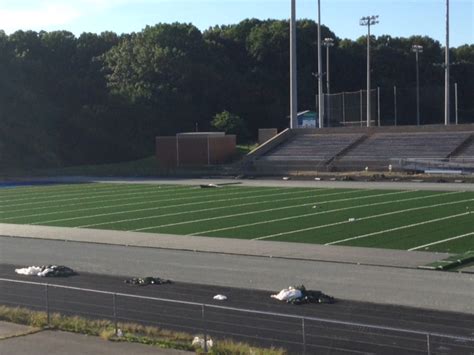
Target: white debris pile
(300,295)
(30,270)
(209,186)
(220,297)
(46,271)
(287,294)
(198,341)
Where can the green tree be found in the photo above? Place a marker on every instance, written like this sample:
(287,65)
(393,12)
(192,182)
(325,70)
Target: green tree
(230,123)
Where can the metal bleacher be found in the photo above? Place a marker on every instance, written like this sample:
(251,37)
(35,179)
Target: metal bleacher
(307,151)
(375,148)
(382,149)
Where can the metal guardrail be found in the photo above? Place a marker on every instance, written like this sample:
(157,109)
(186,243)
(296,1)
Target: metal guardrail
(305,334)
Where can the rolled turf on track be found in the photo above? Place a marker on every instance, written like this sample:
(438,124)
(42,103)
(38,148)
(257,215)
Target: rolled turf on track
(369,218)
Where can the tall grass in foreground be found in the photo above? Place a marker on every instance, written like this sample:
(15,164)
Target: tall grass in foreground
(132,332)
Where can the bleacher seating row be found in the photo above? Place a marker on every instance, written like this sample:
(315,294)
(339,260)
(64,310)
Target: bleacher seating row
(355,151)
(313,147)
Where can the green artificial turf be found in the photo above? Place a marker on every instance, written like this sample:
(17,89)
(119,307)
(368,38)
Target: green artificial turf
(406,220)
(452,262)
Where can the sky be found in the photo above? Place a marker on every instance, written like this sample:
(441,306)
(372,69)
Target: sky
(398,18)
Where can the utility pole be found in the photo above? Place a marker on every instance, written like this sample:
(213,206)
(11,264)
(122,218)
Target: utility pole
(328,43)
(320,74)
(446,70)
(416,48)
(368,21)
(293,83)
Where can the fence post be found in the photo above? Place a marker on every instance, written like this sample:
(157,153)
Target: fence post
(395,103)
(303,332)
(177,151)
(378,103)
(343,108)
(204,328)
(428,347)
(114,299)
(456,101)
(46,293)
(361,100)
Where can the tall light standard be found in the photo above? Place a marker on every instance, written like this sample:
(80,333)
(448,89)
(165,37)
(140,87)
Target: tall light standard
(293,83)
(417,49)
(328,42)
(368,21)
(446,69)
(320,74)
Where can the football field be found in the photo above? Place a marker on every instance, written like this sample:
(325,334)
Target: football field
(394,219)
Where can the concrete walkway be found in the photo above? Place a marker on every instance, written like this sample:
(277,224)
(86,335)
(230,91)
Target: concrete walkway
(19,339)
(326,183)
(299,251)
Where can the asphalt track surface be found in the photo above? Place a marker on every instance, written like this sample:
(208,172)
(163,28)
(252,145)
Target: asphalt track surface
(260,329)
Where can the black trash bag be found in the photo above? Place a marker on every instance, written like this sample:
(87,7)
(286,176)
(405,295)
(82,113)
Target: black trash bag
(57,271)
(145,281)
(309,296)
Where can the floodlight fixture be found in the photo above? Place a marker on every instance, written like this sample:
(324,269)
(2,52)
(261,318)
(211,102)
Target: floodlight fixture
(368,21)
(328,42)
(416,48)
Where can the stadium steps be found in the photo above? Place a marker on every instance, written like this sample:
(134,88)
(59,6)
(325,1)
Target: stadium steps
(464,147)
(344,150)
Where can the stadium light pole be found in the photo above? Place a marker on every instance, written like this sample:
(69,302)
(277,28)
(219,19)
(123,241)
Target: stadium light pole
(416,48)
(328,43)
(446,70)
(368,21)
(320,74)
(293,82)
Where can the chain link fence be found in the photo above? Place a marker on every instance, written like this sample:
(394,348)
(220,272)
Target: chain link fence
(395,106)
(298,334)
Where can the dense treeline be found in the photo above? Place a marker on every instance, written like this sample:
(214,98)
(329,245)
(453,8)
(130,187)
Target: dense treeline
(67,100)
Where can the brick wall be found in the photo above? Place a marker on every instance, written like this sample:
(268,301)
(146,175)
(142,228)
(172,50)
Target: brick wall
(194,150)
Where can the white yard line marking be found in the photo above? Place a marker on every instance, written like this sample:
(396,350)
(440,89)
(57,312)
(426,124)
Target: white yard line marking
(119,205)
(245,214)
(42,190)
(399,228)
(46,189)
(442,241)
(155,191)
(355,207)
(108,190)
(204,209)
(240,193)
(158,208)
(318,213)
(88,195)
